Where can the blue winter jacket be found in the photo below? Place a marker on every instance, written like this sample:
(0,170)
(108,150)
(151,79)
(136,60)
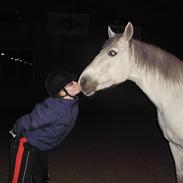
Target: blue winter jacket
(49,122)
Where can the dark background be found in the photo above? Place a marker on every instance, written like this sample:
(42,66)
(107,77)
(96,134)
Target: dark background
(116,128)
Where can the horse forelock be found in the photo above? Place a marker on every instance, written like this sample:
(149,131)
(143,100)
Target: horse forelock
(111,41)
(154,59)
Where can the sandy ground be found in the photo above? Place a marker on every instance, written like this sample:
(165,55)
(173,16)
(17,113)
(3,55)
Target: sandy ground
(105,147)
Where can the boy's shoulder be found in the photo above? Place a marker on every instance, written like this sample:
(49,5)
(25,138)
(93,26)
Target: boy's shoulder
(58,102)
(51,101)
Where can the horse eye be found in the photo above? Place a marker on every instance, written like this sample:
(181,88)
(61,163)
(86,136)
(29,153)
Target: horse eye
(112,53)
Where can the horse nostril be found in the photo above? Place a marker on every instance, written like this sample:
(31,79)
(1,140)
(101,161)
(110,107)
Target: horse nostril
(83,81)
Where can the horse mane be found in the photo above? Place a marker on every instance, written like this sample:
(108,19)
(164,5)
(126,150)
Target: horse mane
(154,59)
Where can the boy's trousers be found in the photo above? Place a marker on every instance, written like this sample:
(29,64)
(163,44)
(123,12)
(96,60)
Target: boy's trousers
(27,164)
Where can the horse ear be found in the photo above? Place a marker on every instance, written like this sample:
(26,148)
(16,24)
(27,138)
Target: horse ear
(128,32)
(110,32)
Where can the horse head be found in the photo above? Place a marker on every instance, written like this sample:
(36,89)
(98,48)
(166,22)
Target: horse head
(111,66)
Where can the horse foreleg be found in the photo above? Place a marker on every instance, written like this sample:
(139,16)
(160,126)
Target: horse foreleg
(177,153)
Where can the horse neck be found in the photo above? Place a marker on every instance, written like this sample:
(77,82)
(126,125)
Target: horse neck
(150,79)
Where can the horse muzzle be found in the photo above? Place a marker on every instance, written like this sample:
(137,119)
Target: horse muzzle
(88,86)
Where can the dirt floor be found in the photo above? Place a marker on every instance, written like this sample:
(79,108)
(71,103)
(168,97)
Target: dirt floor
(124,146)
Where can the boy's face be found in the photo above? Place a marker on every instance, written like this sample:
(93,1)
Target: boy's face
(73,88)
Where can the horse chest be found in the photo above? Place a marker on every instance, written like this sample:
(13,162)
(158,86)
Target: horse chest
(171,126)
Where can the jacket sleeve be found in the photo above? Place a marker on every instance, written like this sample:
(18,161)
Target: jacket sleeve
(40,116)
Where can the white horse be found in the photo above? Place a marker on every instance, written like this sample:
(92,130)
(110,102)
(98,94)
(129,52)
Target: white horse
(158,73)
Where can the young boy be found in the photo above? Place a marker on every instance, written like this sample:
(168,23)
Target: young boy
(43,129)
